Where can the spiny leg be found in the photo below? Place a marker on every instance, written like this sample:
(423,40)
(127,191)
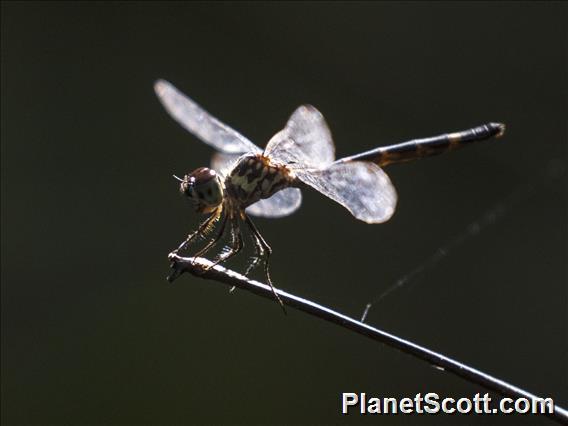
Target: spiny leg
(262,248)
(235,246)
(256,258)
(214,241)
(201,230)
(236,232)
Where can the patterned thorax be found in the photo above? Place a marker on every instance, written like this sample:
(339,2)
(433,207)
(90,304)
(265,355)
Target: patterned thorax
(254,178)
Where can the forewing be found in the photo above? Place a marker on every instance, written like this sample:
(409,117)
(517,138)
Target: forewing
(304,142)
(200,123)
(361,187)
(281,204)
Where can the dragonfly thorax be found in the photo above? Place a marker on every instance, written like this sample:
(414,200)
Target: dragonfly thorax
(204,188)
(254,178)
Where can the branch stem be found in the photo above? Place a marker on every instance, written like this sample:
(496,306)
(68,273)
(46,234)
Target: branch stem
(203,268)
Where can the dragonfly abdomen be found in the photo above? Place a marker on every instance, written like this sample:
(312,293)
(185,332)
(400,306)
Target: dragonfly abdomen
(255,178)
(426,147)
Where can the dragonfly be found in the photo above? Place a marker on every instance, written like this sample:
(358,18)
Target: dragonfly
(244,180)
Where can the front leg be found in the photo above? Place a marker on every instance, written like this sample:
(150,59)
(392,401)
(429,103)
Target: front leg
(202,230)
(235,246)
(215,240)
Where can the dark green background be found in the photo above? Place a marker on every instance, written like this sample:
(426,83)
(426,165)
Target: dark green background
(91,331)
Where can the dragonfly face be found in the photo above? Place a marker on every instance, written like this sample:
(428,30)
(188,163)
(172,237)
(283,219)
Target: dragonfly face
(204,188)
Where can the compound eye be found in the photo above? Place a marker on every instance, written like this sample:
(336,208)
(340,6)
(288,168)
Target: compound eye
(207,189)
(203,175)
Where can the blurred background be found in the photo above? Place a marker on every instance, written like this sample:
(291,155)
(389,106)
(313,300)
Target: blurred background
(92,332)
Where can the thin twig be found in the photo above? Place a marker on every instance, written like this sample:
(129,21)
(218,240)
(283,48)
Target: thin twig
(203,268)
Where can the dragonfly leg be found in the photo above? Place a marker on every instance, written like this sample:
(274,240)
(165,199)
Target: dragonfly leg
(235,246)
(257,258)
(215,240)
(263,251)
(202,230)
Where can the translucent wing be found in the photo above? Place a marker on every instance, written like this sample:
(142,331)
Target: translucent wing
(361,187)
(304,142)
(281,204)
(223,163)
(200,123)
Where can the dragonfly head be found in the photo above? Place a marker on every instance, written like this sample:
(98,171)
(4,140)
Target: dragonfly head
(204,188)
